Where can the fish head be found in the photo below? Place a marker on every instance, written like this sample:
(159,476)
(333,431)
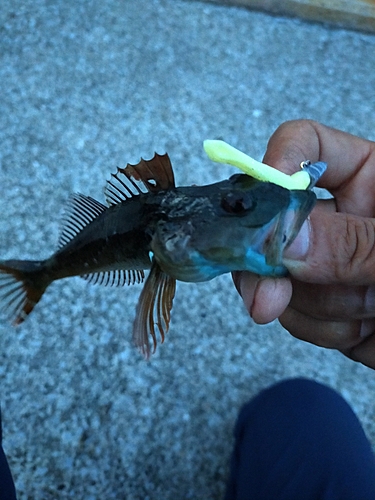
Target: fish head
(238,224)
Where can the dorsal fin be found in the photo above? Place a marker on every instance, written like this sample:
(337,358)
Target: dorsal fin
(156,174)
(80,211)
(148,175)
(153,309)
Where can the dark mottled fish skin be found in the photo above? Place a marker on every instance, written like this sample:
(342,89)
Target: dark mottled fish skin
(187,233)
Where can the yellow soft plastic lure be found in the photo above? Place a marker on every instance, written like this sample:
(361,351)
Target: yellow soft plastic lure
(221,152)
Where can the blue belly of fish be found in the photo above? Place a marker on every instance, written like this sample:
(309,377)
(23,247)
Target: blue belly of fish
(202,269)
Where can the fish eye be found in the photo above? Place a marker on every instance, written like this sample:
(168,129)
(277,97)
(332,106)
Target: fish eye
(237,203)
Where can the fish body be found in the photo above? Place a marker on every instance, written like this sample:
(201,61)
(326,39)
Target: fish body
(189,233)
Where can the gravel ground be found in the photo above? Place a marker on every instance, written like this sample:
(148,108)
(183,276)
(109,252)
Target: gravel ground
(88,86)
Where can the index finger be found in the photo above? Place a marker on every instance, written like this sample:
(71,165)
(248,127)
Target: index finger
(300,140)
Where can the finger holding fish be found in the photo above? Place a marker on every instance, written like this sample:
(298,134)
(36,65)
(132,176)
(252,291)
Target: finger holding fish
(333,269)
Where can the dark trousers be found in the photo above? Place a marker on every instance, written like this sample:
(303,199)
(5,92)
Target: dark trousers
(7,490)
(300,440)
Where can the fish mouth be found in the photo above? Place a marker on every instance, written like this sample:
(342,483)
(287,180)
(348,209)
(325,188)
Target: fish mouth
(283,232)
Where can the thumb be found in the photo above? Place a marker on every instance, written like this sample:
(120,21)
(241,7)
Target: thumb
(333,247)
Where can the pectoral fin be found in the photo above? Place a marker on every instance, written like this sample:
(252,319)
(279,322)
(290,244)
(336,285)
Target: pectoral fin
(153,309)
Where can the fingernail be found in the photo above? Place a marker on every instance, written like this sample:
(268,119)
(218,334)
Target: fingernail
(247,286)
(248,301)
(300,246)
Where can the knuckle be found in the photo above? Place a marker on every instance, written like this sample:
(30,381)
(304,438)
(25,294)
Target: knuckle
(355,254)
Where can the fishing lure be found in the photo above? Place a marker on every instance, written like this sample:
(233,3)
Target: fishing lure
(190,233)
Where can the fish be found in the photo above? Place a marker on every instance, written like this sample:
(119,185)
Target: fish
(186,233)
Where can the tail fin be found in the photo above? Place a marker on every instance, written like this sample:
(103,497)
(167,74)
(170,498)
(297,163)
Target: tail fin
(22,284)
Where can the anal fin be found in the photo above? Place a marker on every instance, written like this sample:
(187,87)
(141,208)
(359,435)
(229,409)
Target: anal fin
(117,277)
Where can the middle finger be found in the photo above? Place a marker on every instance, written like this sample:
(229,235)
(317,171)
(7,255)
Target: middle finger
(333,302)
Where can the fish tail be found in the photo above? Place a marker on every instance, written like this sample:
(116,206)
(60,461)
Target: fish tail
(22,284)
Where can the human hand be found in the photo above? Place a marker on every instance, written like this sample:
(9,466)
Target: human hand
(329,298)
